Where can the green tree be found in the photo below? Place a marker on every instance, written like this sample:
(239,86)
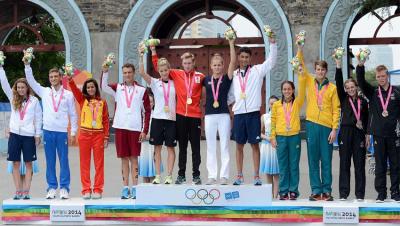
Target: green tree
(43,61)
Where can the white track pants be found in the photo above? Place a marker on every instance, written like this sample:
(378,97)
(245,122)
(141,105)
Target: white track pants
(222,124)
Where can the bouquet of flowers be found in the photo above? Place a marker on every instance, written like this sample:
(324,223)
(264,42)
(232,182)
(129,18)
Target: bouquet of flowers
(301,38)
(338,53)
(2,57)
(295,62)
(230,34)
(268,31)
(363,54)
(152,42)
(109,60)
(68,69)
(28,55)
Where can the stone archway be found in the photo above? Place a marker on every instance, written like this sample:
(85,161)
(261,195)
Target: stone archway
(74,28)
(335,30)
(145,14)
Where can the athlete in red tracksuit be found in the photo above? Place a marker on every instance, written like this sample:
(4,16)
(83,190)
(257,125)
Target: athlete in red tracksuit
(93,135)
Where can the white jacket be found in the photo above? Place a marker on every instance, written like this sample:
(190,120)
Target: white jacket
(55,121)
(257,73)
(31,124)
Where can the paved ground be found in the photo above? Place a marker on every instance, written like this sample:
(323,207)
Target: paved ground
(113,173)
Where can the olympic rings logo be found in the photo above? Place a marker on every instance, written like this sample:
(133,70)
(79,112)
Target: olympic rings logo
(202,196)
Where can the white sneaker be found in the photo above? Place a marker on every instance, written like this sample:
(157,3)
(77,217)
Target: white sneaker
(64,193)
(51,194)
(211,181)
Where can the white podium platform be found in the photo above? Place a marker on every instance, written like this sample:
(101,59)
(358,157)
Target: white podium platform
(203,195)
(172,205)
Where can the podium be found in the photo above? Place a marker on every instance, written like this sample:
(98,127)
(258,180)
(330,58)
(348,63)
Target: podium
(198,205)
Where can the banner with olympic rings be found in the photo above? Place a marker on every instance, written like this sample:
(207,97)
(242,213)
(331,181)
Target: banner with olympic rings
(189,195)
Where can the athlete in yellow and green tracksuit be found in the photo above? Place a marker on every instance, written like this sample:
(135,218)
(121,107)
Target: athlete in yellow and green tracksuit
(322,116)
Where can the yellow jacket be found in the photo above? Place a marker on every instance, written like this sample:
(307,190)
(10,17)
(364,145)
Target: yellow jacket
(329,115)
(278,122)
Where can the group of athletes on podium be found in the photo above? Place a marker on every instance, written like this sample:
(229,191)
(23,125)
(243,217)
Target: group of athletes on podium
(176,119)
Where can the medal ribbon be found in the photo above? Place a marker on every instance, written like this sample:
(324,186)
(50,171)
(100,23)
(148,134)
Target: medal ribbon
(242,82)
(55,107)
(166,94)
(357,112)
(94,110)
(288,113)
(386,102)
(129,98)
(320,94)
(189,84)
(215,93)
(22,111)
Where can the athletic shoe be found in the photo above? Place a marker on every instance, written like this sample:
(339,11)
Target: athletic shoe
(196,180)
(51,193)
(314,197)
(395,196)
(133,192)
(125,193)
(381,198)
(211,181)
(64,193)
(293,196)
(360,200)
(18,195)
(180,180)
(343,198)
(327,196)
(168,180)
(26,197)
(96,195)
(239,180)
(86,196)
(257,181)
(157,179)
(224,181)
(284,197)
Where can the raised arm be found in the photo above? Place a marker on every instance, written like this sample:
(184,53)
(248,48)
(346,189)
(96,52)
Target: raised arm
(104,83)
(142,73)
(36,87)
(301,95)
(232,62)
(365,87)
(271,61)
(38,120)
(339,81)
(76,91)
(5,85)
(302,68)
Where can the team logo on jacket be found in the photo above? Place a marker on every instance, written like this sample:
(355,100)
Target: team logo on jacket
(197,79)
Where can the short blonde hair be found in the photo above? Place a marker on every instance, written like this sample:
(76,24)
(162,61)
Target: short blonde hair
(187,55)
(217,56)
(163,62)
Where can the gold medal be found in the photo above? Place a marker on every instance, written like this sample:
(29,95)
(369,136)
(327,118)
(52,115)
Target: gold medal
(166,108)
(320,107)
(189,100)
(215,104)
(243,95)
(385,113)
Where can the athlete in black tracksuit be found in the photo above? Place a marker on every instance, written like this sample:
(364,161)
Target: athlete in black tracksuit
(351,139)
(383,129)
